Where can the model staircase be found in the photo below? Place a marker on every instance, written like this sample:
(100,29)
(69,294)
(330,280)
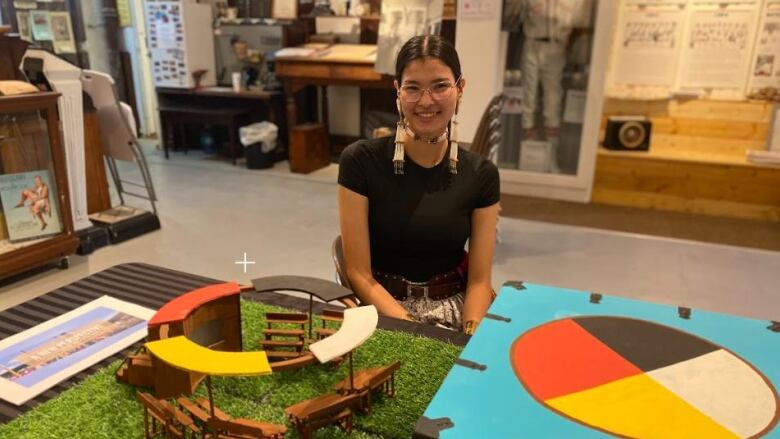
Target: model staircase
(137,370)
(284,338)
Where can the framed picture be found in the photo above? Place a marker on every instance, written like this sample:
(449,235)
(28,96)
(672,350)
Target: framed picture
(773,137)
(62,32)
(37,359)
(40,25)
(23,23)
(284,9)
(30,205)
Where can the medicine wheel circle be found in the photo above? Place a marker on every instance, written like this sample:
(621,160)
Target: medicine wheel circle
(635,378)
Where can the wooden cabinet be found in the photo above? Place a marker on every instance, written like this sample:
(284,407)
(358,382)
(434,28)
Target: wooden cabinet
(12,49)
(36,227)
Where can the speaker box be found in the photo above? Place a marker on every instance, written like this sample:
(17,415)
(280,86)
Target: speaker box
(627,133)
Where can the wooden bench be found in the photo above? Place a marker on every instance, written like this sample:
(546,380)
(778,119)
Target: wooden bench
(315,413)
(223,425)
(173,423)
(367,381)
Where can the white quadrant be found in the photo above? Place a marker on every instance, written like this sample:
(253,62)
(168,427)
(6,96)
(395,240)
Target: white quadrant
(723,387)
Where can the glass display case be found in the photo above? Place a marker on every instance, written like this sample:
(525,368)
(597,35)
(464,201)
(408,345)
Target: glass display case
(548,55)
(550,67)
(36,225)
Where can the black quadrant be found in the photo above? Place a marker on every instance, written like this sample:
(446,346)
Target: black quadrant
(647,345)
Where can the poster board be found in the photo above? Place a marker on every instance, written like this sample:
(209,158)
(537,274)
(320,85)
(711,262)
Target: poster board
(62,32)
(646,50)
(717,48)
(37,359)
(765,68)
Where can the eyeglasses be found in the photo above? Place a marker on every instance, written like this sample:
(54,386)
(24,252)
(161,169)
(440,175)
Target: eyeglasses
(439,91)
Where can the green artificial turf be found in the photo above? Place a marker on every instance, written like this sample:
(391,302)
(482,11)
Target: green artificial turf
(100,407)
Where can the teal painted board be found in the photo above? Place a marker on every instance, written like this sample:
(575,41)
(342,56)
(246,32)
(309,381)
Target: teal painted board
(550,363)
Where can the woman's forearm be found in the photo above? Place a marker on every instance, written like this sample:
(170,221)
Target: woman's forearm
(478,300)
(371,292)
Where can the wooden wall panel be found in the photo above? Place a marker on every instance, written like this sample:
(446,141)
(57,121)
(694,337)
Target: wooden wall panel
(697,160)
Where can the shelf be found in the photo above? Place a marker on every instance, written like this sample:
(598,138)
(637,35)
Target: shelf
(687,157)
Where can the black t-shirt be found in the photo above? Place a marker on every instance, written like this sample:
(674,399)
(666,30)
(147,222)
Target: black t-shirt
(418,221)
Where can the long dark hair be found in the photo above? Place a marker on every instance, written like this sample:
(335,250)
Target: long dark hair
(424,46)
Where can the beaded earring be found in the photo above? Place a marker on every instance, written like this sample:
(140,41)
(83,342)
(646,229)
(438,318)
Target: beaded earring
(454,141)
(398,156)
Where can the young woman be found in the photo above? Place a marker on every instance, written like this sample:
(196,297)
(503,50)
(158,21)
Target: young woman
(407,205)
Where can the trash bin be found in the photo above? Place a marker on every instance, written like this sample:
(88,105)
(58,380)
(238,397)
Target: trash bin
(259,140)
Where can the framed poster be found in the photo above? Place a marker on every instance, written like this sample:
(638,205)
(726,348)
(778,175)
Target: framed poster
(648,44)
(23,23)
(62,32)
(40,25)
(35,360)
(30,205)
(284,9)
(718,48)
(765,71)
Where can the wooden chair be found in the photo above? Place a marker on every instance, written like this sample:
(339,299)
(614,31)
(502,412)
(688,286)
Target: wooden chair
(367,381)
(331,409)
(222,425)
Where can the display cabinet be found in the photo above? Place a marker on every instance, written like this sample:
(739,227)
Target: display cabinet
(36,226)
(550,66)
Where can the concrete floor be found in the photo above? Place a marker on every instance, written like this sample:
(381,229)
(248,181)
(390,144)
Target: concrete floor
(212,212)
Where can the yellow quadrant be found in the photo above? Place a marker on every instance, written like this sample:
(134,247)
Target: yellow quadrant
(638,407)
(185,354)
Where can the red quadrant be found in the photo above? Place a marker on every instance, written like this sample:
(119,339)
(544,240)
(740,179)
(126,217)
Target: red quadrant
(560,358)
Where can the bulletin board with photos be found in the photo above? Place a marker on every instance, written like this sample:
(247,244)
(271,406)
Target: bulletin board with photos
(33,193)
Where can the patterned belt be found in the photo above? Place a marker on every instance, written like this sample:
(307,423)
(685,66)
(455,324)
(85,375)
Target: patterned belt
(438,287)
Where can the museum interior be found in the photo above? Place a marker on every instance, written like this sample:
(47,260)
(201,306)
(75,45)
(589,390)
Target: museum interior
(389,218)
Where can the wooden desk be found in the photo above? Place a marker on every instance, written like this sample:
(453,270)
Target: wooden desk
(340,64)
(257,104)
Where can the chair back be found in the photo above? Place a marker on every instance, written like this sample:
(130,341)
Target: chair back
(338,261)
(153,407)
(337,251)
(116,134)
(488,136)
